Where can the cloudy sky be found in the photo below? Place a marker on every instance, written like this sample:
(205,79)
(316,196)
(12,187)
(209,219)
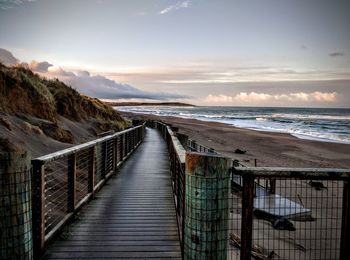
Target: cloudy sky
(234,52)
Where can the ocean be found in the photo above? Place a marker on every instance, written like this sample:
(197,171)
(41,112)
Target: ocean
(321,124)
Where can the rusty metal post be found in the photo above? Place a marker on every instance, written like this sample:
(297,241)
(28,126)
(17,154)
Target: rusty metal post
(247,217)
(207,208)
(15,206)
(345,226)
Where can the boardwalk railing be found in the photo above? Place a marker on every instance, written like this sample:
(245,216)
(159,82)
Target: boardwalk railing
(65,180)
(177,155)
(290,213)
(242,212)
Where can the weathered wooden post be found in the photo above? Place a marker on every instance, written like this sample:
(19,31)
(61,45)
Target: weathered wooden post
(72,176)
(121,139)
(193,145)
(206,206)
(345,227)
(183,139)
(104,159)
(247,217)
(38,207)
(115,154)
(15,206)
(92,174)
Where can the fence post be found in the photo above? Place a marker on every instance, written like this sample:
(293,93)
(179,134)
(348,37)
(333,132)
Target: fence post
(15,206)
(183,139)
(345,226)
(38,205)
(122,145)
(104,160)
(72,173)
(207,208)
(193,146)
(247,217)
(115,154)
(91,183)
(125,144)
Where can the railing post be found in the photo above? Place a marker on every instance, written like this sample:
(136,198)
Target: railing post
(38,207)
(118,149)
(345,226)
(15,205)
(247,217)
(207,208)
(183,139)
(183,206)
(122,146)
(91,183)
(115,154)
(72,161)
(104,159)
(125,144)
(193,146)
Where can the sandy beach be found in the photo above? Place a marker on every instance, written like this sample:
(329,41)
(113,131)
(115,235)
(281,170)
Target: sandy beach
(269,149)
(308,241)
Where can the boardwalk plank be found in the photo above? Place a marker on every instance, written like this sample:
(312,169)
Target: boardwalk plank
(133,216)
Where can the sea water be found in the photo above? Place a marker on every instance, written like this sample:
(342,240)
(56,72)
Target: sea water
(322,124)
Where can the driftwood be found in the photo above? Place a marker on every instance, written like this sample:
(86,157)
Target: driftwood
(239,151)
(258,252)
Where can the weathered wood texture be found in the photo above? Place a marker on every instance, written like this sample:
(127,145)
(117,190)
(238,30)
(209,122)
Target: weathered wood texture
(133,216)
(247,217)
(206,207)
(345,231)
(15,207)
(299,173)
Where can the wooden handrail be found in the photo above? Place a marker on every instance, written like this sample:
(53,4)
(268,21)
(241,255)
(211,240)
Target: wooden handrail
(77,148)
(108,161)
(300,173)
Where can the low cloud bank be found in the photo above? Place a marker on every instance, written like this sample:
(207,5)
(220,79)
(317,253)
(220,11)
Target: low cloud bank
(253,97)
(102,87)
(7,58)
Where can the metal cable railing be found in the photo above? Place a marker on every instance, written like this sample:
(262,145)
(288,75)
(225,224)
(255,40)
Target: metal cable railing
(63,181)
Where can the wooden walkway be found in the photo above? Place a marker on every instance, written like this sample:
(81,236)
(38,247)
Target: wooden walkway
(133,216)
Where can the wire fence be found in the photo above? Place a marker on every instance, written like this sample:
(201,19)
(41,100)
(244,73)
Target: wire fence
(288,217)
(65,180)
(197,147)
(254,212)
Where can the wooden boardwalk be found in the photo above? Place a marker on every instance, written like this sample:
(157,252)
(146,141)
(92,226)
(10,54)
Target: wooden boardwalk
(133,216)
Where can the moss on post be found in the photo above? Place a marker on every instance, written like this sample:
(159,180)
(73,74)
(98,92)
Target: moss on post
(15,206)
(206,206)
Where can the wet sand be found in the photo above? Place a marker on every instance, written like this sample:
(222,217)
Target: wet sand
(269,149)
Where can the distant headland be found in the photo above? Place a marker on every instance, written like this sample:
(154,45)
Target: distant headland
(177,104)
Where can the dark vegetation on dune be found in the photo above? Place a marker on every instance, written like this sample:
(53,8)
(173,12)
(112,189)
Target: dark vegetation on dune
(40,107)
